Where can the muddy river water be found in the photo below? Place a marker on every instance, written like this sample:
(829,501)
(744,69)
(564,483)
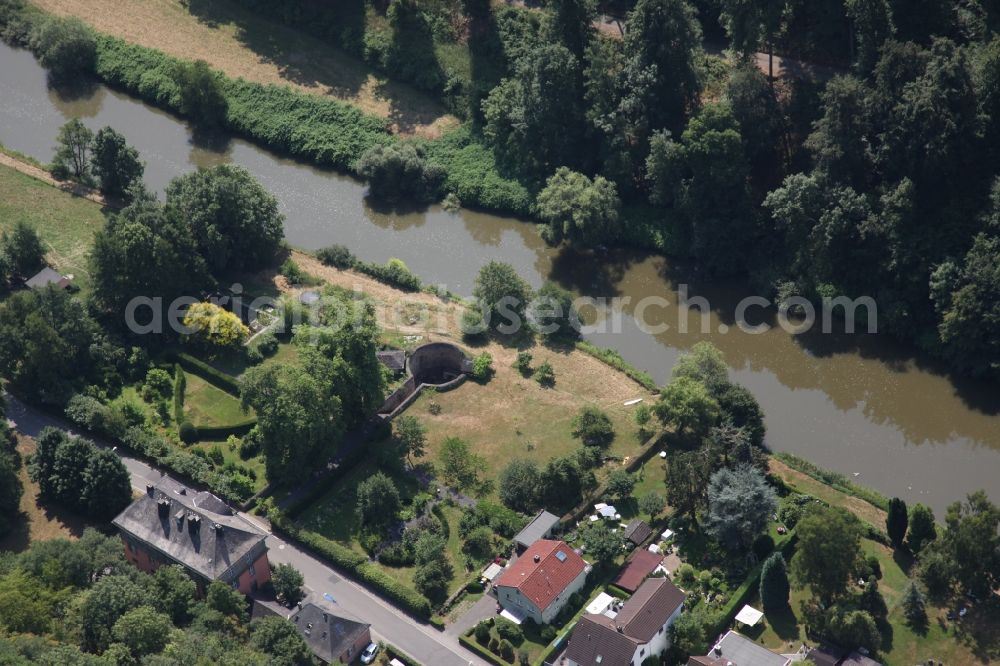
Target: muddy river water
(863,405)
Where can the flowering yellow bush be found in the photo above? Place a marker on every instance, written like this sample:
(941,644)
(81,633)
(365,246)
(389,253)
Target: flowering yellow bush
(214,326)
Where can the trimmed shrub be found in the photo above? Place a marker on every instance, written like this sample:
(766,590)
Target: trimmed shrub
(187,432)
(215,377)
(337,256)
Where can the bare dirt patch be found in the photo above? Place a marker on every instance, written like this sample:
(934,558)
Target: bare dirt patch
(242,44)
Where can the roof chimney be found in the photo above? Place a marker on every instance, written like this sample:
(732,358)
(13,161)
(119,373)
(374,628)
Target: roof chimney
(718,648)
(218,528)
(149,489)
(183,491)
(537,558)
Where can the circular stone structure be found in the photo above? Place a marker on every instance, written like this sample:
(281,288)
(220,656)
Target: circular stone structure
(437,363)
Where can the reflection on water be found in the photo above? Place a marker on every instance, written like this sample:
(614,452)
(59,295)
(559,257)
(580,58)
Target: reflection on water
(80,99)
(858,404)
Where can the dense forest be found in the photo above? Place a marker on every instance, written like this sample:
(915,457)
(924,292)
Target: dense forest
(870,174)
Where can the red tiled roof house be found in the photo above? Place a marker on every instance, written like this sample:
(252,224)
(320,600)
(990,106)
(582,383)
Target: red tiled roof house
(541,581)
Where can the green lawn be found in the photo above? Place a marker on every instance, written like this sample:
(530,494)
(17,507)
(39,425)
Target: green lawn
(207,405)
(65,223)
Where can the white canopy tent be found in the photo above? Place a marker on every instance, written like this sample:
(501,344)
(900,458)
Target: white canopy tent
(749,616)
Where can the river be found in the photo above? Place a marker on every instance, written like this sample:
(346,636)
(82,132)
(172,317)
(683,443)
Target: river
(863,405)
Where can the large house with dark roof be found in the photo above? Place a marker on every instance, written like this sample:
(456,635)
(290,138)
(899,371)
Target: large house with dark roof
(332,634)
(639,630)
(170,524)
(734,649)
(540,582)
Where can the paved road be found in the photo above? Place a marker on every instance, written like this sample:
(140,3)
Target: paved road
(420,641)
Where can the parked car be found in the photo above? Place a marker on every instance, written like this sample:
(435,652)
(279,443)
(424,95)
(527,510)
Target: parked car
(368,656)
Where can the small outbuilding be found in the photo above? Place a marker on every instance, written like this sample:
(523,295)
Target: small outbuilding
(393,359)
(47,276)
(542,526)
(639,566)
(637,532)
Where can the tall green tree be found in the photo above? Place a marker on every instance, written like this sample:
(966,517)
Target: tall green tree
(871,26)
(11,488)
(73,144)
(503,295)
(520,485)
(914,608)
(554,315)
(829,542)
(593,427)
(687,406)
(922,528)
(663,60)
(23,250)
(971,541)
(459,465)
(145,251)
(65,46)
(534,119)
(753,24)
(115,163)
(740,505)
(572,24)
(143,630)
(378,500)
(201,95)
(704,177)
(235,222)
(774,586)
(896,521)
(687,478)
(578,210)
(298,420)
(288,582)
(410,435)
(281,640)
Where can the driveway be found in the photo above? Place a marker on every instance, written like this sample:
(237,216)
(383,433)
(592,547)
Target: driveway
(420,641)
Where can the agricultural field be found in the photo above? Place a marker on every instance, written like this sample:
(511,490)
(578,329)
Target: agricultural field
(242,44)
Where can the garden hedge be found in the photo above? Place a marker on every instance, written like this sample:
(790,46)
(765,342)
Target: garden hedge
(196,366)
(471,644)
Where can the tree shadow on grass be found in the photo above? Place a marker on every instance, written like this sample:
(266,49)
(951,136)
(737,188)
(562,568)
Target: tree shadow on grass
(784,623)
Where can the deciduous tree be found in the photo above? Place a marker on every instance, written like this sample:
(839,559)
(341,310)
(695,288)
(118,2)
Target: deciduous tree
(115,163)
(578,210)
(829,541)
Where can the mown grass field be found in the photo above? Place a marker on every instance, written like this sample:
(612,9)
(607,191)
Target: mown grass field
(207,405)
(66,224)
(242,44)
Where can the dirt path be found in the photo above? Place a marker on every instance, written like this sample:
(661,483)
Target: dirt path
(76,189)
(242,44)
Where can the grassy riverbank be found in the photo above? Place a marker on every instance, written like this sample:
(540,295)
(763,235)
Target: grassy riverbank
(66,223)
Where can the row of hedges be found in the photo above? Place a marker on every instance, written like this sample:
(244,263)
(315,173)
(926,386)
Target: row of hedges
(354,563)
(224,432)
(471,644)
(614,359)
(180,385)
(211,375)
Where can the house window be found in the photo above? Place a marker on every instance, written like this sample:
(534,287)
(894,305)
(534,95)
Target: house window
(251,570)
(642,652)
